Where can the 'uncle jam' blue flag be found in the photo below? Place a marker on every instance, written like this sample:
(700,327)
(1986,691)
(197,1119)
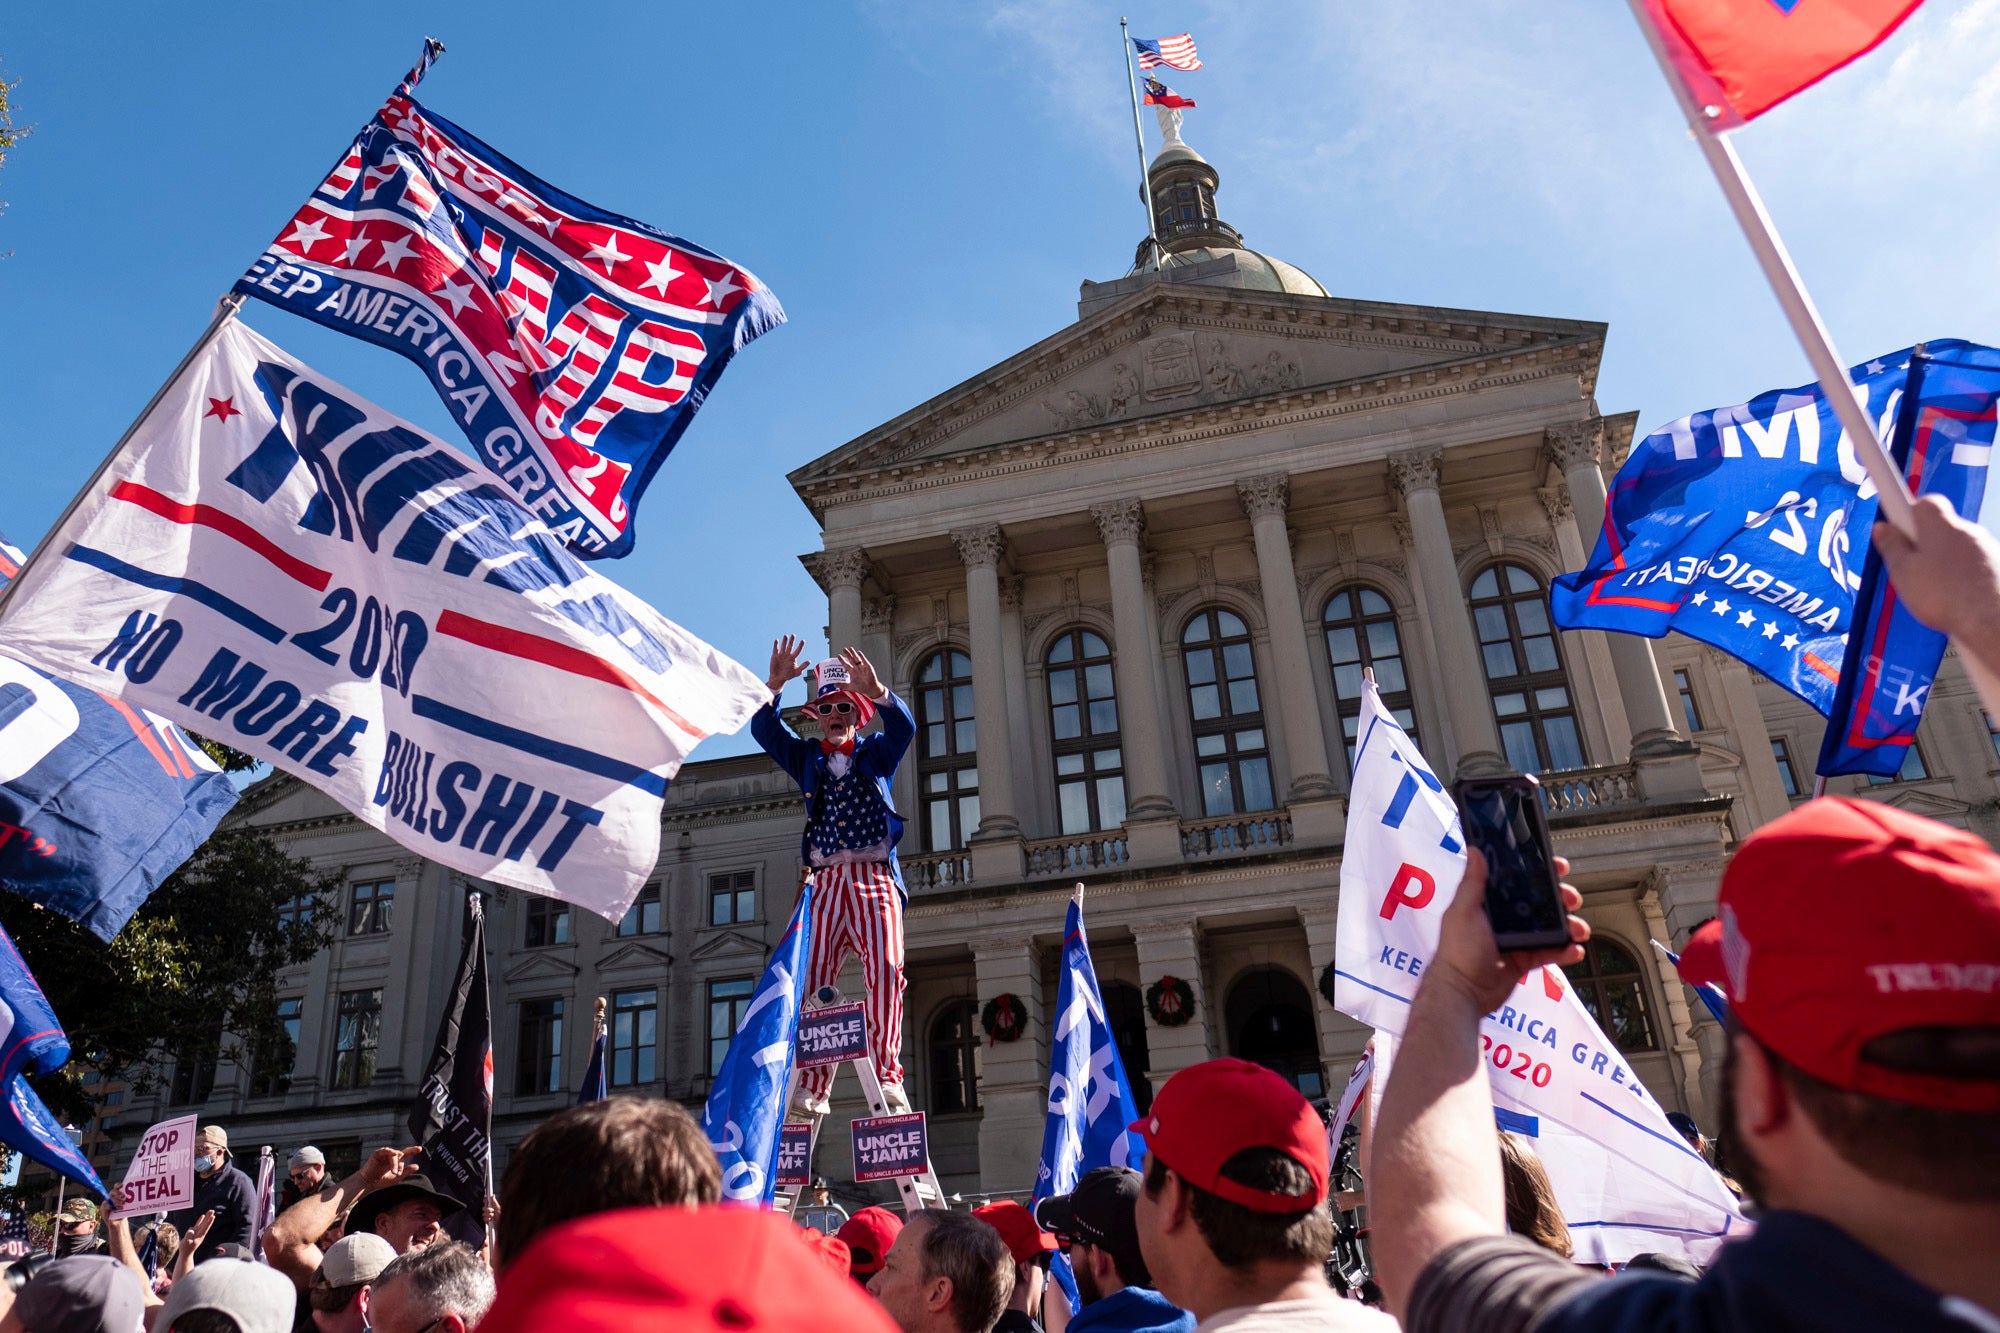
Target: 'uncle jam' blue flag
(1943,444)
(1741,527)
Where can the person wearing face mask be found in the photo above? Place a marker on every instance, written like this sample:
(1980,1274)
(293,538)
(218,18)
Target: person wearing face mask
(76,1229)
(221,1188)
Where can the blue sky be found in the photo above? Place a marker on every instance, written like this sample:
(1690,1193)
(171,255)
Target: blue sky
(924,185)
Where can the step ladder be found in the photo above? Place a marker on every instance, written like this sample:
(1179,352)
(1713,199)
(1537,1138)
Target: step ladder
(917,1191)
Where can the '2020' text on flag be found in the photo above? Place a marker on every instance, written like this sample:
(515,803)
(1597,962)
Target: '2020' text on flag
(1744,526)
(99,801)
(1633,1184)
(573,346)
(1743,57)
(746,1107)
(281,565)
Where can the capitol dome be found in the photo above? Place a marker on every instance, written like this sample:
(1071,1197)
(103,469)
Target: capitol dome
(1190,231)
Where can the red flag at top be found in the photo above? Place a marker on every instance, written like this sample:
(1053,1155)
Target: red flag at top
(1743,57)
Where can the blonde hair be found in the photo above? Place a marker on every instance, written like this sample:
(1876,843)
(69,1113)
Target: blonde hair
(1532,1210)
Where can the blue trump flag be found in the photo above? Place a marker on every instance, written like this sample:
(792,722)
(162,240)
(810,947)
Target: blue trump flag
(1090,1101)
(99,801)
(1739,527)
(1943,445)
(593,1089)
(31,1039)
(747,1104)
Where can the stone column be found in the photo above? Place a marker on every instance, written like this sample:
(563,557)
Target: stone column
(1172,949)
(1680,897)
(1014,1075)
(1263,499)
(1415,474)
(1152,824)
(1608,734)
(1575,448)
(840,572)
(1341,1039)
(1678,1027)
(1763,788)
(999,832)
(1014,654)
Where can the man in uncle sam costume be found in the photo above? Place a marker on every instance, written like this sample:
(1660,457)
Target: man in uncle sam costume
(852,829)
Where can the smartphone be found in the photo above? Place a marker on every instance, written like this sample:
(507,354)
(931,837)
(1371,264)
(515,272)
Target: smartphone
(1503,818)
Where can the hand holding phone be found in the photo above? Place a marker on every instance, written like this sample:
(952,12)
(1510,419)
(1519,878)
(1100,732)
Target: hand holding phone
(1504,819)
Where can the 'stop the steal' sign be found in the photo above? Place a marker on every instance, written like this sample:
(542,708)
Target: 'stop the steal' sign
(281,565)
(161,1177)
(832,1034)
(887,1147)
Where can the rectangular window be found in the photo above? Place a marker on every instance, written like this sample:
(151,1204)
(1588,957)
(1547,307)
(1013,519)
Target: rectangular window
(538,1058)
(369,905)
(1913,769)
(727,1002)
(271,1067)
(635,1040)
(1786,773)
(643,916)
(194,1073)
(1992,733)
(357,1032)
(1689,709)
(296,911)
(732,898)
(548,922)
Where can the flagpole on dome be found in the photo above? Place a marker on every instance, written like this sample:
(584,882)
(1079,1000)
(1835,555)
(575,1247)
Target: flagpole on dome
(1709,125)
(1139,141)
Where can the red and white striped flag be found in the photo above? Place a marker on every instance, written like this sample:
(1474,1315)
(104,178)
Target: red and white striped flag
(1174,52)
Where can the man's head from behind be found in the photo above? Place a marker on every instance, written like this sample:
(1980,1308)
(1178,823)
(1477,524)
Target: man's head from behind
(441,1288)
(1236,1176)
(339,1291)
(948,1272)
(868,1235)
(228,1296)
(1859,947)
(1098,1225)
(87,1293)
(621,1152)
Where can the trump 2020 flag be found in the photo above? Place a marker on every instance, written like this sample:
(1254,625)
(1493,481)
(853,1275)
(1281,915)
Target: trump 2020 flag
(1944,446)
(277,563)
(572,345)
(1744,527)
(99,801)
(1740,58)
(453,1117)
(32,1039)
(746,1107)
(1627,1182)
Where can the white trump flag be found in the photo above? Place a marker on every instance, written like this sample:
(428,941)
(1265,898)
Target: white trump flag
(1626,1181)
(277,563)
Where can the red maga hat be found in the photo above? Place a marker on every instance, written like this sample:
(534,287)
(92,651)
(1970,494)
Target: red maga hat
(1207,1113)
(1848,920)
(734,1269)
(1016,1225)
(869,1234)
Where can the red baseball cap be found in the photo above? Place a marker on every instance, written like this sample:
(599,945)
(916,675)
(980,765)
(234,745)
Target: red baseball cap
(868,1235)
(1016,1225)
(1207,1113)
(1846,920)
(832,1251)
(731,1269)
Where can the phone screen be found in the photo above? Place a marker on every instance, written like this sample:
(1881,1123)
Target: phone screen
(1503,820)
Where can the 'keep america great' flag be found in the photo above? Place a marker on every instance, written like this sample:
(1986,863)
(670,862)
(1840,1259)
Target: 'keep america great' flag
(572,345)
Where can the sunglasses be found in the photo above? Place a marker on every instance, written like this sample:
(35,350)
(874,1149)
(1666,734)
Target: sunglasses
(838,706)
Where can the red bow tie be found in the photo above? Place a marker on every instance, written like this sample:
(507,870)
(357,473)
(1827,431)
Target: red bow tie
(845,747)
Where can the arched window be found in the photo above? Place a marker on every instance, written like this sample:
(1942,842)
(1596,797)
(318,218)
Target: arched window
(1524,671)
(947,751)
(1360,633)
(1270,1023)
(1610,985)
(1126,1013)
(1083,732)
(955,1058)
(1228,717)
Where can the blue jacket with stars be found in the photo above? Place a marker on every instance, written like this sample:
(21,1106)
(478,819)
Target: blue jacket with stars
(875,758)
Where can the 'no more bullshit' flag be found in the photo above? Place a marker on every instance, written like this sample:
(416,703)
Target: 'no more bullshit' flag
(1626,1181)
(281,565)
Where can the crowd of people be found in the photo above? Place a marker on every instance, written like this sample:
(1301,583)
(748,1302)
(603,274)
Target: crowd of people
(1858,947)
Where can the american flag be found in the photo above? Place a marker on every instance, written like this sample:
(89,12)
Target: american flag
(14,1237)
(572,345)
(1173,52)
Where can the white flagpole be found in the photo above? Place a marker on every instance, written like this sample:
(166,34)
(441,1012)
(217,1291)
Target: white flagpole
(225,311)
(1892,493)
(1139,141)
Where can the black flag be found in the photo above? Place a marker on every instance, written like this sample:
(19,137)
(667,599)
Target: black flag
(453,1117)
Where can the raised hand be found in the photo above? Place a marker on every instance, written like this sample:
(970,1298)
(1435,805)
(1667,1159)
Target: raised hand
(1467,954)
(785,655)
(862,674)
(386,1166)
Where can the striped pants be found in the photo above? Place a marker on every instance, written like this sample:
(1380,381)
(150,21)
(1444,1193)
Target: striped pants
(856,909)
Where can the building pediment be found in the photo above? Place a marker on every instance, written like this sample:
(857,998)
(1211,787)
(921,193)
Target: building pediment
(281,798)
(541,967)
(634,957)
(1165,355)
(1929,804)
(729,944)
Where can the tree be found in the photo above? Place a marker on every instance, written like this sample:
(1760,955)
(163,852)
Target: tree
(198,959)
(10,133)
